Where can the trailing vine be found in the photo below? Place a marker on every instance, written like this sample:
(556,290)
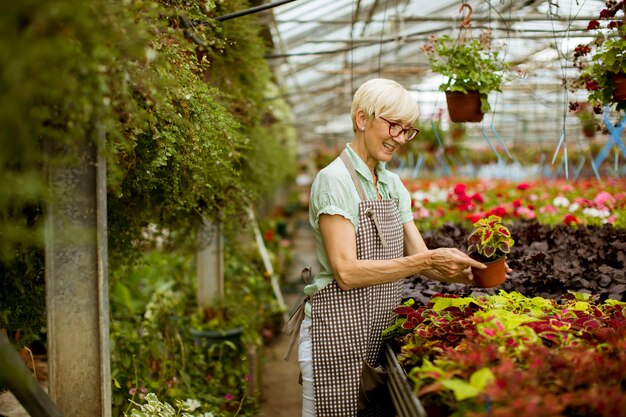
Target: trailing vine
(189,132)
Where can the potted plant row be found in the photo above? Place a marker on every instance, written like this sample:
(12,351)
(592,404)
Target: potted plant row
(511,355)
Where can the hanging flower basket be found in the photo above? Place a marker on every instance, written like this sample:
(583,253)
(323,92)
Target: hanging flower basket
(464,107)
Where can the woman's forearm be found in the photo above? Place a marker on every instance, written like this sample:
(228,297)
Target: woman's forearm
(363,273)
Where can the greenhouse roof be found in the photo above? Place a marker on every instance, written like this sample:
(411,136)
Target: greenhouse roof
(324,49)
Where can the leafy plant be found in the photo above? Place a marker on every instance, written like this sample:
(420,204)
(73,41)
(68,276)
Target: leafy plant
(152,349)
(153,407)
(473,354)
(602,59)
(490,238)
(468,65)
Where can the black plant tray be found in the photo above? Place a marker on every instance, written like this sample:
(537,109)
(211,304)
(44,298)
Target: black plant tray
(404,401)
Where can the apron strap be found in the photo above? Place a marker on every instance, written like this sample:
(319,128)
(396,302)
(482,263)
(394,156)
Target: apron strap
(355,178)
(359,187)
(292,326)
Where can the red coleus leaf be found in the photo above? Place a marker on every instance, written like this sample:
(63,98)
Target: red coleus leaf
(403,311)
(489,251)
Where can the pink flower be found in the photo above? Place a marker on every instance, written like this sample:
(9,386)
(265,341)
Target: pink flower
(583,202)
(420,213)
(526,213)
(548,209)
(229,397)
(523,186)
(604,199)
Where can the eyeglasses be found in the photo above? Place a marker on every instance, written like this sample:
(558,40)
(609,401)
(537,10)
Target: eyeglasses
(396,130)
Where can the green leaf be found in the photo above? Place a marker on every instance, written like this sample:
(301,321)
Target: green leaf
(463,390)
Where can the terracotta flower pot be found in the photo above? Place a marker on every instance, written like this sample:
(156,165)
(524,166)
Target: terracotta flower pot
(620,86)
(492,276)
(464,107)
(589,131)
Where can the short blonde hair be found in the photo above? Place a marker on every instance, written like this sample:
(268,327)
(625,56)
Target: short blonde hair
(383,97)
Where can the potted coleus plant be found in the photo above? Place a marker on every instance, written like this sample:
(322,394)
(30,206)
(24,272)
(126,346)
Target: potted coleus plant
(489,242)
(602,62)
(472,70)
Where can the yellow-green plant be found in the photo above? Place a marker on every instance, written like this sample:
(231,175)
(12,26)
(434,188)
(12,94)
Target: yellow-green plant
(490,238)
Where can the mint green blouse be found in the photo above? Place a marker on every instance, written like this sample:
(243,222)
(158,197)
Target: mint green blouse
(333,192)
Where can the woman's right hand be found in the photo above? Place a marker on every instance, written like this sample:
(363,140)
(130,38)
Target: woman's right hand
(452,265)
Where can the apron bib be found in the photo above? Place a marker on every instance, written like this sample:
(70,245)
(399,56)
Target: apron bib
(346,326)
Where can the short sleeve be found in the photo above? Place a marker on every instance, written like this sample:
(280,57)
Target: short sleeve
(331,194)
(404,204)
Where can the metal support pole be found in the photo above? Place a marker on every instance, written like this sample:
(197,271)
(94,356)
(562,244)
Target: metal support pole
(252,10)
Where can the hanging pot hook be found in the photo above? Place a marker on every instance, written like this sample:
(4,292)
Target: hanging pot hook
(466,21)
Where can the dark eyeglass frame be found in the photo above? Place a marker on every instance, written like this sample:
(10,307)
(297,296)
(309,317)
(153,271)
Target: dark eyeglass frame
(409,132)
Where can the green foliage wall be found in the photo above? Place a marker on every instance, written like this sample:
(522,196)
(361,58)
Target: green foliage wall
(186,122)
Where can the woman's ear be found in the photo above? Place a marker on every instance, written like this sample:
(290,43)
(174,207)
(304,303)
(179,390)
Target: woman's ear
(361,119)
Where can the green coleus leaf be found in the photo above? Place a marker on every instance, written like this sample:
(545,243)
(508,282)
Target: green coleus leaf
(463,390)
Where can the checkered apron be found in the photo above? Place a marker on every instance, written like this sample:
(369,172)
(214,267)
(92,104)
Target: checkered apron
(346,325)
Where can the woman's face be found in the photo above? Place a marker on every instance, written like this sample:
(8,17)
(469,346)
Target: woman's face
(379,144)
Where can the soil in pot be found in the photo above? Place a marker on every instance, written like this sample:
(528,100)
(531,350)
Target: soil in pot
(493,275)
(464,107)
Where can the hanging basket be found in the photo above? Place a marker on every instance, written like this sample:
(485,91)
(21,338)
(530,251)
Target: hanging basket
(620,87)
(464,107)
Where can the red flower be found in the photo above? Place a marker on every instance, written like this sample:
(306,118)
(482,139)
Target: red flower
(459,189)
(592,85)
(517,203)
(614,24)
(475,217)
(498,211)
(523,186)
(593,24)
(269,235)
(478,198)
(581,50)
(570,218)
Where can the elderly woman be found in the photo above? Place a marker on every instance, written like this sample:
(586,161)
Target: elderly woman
(367,243)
